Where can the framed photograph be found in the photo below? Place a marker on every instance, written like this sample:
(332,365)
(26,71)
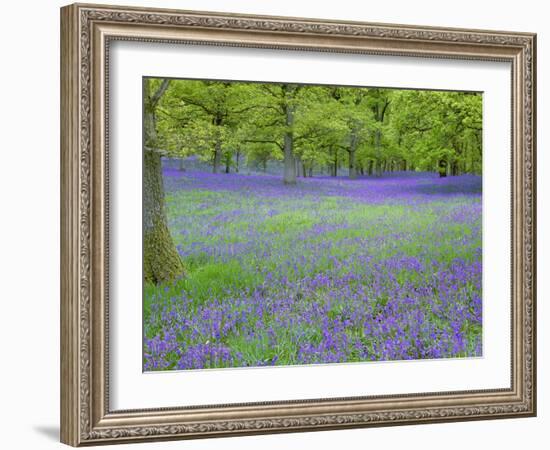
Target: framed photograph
(276,224)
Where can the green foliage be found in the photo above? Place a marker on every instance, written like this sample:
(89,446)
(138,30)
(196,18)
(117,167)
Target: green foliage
(440,127)
(367,130)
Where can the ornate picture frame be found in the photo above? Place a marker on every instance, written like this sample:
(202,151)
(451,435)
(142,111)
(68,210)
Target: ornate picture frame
(87,31)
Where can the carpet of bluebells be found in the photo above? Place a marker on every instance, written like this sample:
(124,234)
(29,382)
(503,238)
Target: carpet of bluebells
(331,270)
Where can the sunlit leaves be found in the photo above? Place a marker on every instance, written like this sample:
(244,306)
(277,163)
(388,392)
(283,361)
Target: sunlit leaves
(413,129)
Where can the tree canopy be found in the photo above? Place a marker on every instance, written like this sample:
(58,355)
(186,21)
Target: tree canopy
(321,129)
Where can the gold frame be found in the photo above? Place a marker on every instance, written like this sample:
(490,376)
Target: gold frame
(86,31)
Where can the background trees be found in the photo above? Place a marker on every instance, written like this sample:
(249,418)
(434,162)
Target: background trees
(315,130)
(439,130)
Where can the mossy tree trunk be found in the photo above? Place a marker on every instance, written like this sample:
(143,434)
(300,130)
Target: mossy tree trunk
(161,261)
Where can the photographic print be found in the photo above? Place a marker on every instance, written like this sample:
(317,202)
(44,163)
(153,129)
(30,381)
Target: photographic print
(291,224)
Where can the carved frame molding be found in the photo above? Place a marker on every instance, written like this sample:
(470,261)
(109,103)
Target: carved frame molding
(86,31)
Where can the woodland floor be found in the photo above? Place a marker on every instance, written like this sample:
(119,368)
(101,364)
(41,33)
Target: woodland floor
(331,270)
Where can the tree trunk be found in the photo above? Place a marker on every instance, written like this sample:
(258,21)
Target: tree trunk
(237,157)
(454,169)
(289,176)
(335,169)
(227,164)
(217,157)
(377,147)
(442,168)
(217,120)
(351,153)
(311,171)
(161,262)
(352,171)
(304,170)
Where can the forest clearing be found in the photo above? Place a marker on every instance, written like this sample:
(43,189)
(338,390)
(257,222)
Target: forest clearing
(330,270)
(289,224)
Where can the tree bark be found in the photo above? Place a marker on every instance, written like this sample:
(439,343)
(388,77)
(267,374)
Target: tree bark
(454,169)
(351,153)
(217,120)
(161,261)
(352,171)
(378,148)
(228,164)
(442,168)
(289,176)
(217,157)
